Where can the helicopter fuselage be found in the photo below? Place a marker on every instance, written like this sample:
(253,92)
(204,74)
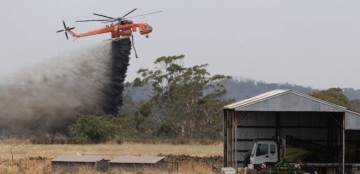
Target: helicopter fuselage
(118,30)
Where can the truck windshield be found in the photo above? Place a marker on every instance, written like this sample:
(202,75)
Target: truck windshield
(262,149)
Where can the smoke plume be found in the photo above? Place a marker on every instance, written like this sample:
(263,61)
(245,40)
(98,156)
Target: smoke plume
(47,97)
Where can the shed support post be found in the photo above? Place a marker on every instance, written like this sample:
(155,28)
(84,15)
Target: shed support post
(343,145)
(235,123)
(230,138)
(225,138)
(277,128)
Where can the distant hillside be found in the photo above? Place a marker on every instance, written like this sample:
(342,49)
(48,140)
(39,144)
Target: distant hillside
(355,104)
(351,93)
(243,89)
(137,94)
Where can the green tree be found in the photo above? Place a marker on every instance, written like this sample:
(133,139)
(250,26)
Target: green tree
(136,125)
(91,128)
(187,101)
(333,95)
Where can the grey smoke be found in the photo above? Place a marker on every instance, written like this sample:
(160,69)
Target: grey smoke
(45,98)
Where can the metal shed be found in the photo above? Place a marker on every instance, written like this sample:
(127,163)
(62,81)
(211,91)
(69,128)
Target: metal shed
(285,113)
(137,162)
(71,163)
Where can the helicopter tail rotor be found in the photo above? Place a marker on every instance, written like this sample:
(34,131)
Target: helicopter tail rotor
(66,29)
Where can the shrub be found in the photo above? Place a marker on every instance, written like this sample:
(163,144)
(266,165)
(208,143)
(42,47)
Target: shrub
(90,128)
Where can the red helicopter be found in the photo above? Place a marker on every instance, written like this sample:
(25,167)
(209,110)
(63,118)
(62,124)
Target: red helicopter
(122,29)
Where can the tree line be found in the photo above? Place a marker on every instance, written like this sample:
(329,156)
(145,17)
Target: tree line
(185,106)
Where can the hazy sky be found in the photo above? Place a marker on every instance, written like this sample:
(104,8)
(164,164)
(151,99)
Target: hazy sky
(304,42)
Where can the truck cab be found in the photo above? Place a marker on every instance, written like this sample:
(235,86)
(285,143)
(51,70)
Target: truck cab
(264,152)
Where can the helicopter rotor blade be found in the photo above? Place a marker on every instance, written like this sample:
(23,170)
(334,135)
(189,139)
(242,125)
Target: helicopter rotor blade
(103,16)
(59,31)
(64,25)
(67,37)
(110,19)
(92,20)
(129,13)
(145,14)
(119,19)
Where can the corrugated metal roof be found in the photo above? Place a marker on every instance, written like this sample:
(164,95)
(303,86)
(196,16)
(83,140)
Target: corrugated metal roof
(136,159)
(78,158)
(255,99)
(276,93)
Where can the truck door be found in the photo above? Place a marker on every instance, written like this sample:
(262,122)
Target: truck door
(262,153)
(273,155)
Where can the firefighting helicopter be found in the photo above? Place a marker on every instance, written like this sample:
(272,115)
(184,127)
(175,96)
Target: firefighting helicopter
(120,28)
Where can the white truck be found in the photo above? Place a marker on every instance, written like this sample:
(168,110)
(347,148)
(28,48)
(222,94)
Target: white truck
(264,152)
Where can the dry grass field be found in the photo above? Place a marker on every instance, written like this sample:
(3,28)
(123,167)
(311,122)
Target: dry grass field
(35,158)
